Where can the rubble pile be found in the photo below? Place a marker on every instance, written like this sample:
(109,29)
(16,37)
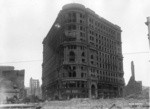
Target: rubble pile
(119,103)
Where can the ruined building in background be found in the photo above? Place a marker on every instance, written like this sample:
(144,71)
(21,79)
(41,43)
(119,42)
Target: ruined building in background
(82,56)
(148,24)
(133,88)
(11,82)
(34,84)
(34,89)
(6,68)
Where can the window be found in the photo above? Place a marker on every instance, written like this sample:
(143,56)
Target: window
(92,57)
(74,67)
(74,14)
(72,47)
(82,47)
(83,54)
(74,74)
(72,17)
(72,27)
(81,15)
(82,75)
(83,60)
(81,28)
(71,56)
(90,37)
(69,74)
(96,40)
(80,33)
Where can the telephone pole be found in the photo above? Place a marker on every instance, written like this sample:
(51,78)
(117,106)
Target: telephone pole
(148,24)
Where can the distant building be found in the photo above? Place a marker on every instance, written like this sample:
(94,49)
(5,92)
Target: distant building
(5,68)
(34,85)
(34,89)
(12,82)
(6,90)
(16,77)
(148,24)
(133,87)
(146,92)
(82,56)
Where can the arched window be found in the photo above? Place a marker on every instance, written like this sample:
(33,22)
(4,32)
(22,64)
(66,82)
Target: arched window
(71,56)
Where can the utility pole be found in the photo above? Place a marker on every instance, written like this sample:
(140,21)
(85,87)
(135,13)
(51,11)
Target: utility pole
(148,24)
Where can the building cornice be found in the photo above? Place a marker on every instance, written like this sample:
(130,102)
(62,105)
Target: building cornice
(89,11)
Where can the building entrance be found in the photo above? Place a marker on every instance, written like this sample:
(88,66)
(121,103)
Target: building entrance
(93,91)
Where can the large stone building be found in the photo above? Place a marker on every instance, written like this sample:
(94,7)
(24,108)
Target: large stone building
(82,56)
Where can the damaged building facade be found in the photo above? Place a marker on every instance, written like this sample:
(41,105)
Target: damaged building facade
(11,83)
(133,88)
(82,56)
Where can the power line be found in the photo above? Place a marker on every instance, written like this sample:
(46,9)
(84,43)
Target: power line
(20,61)
(136,53)
(41,60)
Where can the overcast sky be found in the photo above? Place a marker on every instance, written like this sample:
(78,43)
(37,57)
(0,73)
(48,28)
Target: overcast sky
(25,23)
